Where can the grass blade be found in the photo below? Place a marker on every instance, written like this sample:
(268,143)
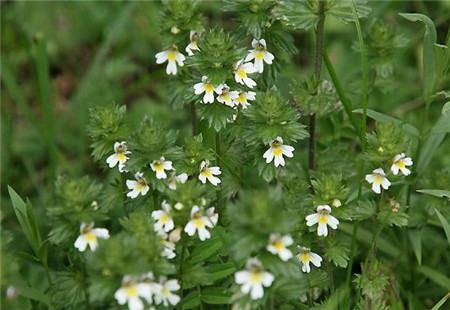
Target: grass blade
(415,236)
(444,223)
(435,276)
(441,302)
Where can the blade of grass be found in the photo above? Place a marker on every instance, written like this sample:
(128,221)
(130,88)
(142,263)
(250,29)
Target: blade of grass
(445,224)
(435,276)
(43,79)
(441,302)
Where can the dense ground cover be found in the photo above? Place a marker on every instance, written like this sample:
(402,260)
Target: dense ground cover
(225,155)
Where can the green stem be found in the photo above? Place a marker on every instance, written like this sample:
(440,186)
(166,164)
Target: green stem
(218,163)
(180,271)
(364,69)
(193,118)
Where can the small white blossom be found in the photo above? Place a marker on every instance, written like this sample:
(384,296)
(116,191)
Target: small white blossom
(165,295)
(400,162)
(243,97)
(205,86)
(168,249)
(277,150)
(241,70)
(172,56)
(306,256)
(159,166)
(377,179)
(175,235)
(163,218)
(226,96)
(209,173)
(278,245)
(89,236)
(132,291)
(193,46)
(253,279)
(137,187)
(200,222)
(179,206)
(324,219)
(175,179)
(260,54)
(119,156)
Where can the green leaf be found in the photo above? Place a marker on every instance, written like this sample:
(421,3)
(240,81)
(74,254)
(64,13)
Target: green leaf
(433,141)
(383,118)
(444,223)
(338,254)
(190,301)
(27,221)
(217,115)
(429,61)
(435,192)
(415,236)
(206,250)
(436,276)
(215,296)
(34,294)
(441,302)
(219,271)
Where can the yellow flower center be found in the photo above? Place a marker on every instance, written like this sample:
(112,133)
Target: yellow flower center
(165,218)
(208,87)
(199,222)
(400,164)
(259,54)
(378,179)
(323,219)
(90,236)
(159,167)
(165,291)
(121,156)
(241,73)
(278,245)
(172,55)
(304,258)
(131,291)
(226,96)
(277,151)
(206,172)
(256,277)
(242,98)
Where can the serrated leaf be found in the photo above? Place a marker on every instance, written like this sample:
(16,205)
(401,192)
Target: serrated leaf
(217,115)
(219,271)
(206,250)
(338,255)
(190,301)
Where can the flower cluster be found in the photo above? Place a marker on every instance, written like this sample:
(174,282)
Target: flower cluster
(137,289)
(378,177)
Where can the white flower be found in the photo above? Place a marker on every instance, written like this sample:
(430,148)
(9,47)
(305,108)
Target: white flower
(172,56)
(175,179)
(199,222)
(119,156)
(241,70)
(163,218)
(324,218)
(260,54)
(226,96)
(168,249)
(206,87)
(159,166)
(336,203)
(208,173)
(243,97)
(253,279)
(377,179)
(306,256)
(165,295)
(137,187)
(279,245)
(89,236)
(131,292)
(193,38)
(277,150)
(400,162)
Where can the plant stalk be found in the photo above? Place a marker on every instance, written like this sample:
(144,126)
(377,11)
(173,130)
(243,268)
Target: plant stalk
(193,118)
(219,189)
